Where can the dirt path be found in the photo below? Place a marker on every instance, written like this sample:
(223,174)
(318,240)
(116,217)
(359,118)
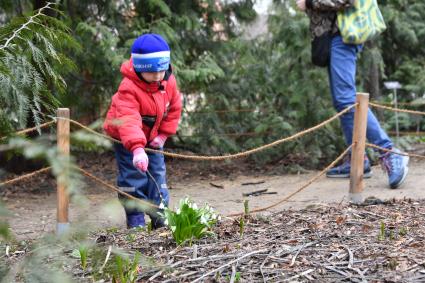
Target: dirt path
(35,213)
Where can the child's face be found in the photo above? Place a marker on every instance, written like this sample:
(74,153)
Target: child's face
(153,76)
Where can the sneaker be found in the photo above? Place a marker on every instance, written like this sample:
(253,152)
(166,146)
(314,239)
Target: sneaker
(343,170)
(396,167)
(157,222)
(135,220)
(157,219)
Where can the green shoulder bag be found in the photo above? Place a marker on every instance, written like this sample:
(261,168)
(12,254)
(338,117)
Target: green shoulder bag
(361,22)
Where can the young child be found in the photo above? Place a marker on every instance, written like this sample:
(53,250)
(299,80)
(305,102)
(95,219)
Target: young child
(144,112)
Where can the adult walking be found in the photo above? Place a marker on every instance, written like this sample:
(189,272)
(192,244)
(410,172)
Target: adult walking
(341,63)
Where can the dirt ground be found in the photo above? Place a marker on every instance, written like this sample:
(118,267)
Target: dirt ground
(33,202)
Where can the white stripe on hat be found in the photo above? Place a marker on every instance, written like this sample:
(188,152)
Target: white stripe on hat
(151,55)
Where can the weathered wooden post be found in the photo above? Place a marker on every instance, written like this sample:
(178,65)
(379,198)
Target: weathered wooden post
(63,130)
(358,149)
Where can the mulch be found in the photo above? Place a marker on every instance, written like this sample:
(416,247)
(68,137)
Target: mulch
(377,242)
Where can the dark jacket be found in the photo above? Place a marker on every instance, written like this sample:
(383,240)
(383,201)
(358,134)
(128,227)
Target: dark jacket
(322,14)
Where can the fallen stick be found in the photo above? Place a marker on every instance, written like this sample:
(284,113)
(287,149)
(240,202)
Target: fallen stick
(337,271)
(106,259)
(299,275)
(217,186)
(253,183)
(233,276)
(259,193)
(254,193)
(298,252)
(229,263)
(350,257)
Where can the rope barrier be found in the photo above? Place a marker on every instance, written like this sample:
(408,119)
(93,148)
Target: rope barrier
(41,126)
(399,153)
(113,188)
(411,133)
(8,182)
(398,103)
(183,136)
(220,111)
(245,134)
(311,181)
(253,110)
(228,156)
(151,206)
(396,109)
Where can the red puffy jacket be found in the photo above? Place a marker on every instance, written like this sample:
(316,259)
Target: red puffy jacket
(137,100)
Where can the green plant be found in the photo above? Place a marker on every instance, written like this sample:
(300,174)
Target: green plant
(241,226)
(392,264)
(403,231)
(381,235)
(391,236)
(189,222)
(4,226)
(112,230)
(149,227)
(126,270)
(246,208)
(131,237)
(82,254)
(238,277)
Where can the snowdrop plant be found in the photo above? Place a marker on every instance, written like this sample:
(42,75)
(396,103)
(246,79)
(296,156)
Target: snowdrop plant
(188,222)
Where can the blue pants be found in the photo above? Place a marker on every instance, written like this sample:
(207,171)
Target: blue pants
(342,78)
(138,184)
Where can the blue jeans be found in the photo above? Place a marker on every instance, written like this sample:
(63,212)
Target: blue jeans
(342,78)
(137,184)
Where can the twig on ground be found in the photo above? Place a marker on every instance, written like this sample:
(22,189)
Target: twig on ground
(253,183)
(216,185)
(254,193)
(298,252)
(261,267)
(233,276)
(350,257)
(300,275)
(229,263)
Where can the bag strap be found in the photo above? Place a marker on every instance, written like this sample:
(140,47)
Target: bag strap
(334,23)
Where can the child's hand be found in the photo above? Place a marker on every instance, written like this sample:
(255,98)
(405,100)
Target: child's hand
(301,5)
(140,159)
(158,141)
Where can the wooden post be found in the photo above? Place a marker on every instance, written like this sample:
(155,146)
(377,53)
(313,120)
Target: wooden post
(358,149)
(62,224)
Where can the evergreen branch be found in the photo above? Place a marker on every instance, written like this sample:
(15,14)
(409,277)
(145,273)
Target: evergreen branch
(25,25)
(32,64)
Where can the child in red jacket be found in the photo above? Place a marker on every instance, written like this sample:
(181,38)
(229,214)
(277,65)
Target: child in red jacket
(144,112)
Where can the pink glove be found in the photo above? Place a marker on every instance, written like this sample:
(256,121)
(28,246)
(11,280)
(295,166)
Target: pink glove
(140,159)
(158,141)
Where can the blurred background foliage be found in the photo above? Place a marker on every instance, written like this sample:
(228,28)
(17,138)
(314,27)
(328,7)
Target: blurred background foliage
(242,88)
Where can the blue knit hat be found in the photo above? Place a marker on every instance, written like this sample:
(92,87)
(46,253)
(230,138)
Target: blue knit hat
(150,53)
